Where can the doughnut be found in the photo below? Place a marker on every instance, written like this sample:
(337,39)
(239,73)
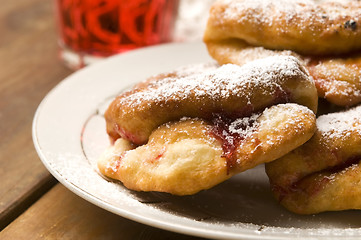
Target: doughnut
(324,174)
(338,80)
(323,35)
(235,91)
(186,156)
(179,72)
(307,27)
(237,51)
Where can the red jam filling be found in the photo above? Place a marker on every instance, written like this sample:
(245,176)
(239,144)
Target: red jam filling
(230,139)
(159,155)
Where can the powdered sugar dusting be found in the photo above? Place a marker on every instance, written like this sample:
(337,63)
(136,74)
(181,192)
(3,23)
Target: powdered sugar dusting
(339,78)
(305,11)
(342,88)
(304,26)
(244,126)
(341,124)
(253,53)
(184,71)
(227,80)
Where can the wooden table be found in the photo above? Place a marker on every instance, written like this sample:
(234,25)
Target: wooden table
(32,204)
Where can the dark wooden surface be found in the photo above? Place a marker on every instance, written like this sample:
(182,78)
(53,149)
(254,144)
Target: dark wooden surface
(60,214)
(32,204)
(29,68)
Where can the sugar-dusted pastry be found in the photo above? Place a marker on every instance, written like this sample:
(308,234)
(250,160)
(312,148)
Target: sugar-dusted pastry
(324,174)
(316,32)
(337,79)
(230,89)
(238,51)
(308,27)
(190,155)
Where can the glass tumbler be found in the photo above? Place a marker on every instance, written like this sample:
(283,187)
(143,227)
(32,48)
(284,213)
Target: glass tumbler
(90,30)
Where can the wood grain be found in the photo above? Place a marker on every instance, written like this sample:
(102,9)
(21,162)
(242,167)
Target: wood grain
(29,68)
(60,214)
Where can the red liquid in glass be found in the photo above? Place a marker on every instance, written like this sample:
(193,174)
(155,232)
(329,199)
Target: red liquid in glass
(105,27)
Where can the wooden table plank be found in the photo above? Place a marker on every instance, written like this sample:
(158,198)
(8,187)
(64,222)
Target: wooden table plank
(60,214)
(29,68)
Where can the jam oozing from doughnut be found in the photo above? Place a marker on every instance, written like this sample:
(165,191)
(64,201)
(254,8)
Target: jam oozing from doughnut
(231,131)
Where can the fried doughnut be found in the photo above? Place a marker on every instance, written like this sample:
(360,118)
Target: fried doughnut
(337,79)
(237,51)
(324,174)
(232,90)
(190,155)
(307,27)
(179,72)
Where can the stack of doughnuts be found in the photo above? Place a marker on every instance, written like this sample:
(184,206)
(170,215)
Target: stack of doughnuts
(325,35)
(188,130)
(324,174)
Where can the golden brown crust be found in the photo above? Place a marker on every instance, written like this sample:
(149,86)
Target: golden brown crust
(337,79)
(307,27)
(187,156)
(111,115)
(230,89)
(324,173)
(180,158)
(237,51)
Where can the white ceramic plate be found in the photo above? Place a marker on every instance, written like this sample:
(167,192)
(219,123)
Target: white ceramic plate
(69,134)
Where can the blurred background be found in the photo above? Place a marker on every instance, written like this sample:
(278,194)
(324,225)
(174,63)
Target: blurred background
(89,30)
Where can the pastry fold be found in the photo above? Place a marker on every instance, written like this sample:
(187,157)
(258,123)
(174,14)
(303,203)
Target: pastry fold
(324,174)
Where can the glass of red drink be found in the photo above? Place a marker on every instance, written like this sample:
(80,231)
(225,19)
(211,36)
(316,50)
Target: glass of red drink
(93,29)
